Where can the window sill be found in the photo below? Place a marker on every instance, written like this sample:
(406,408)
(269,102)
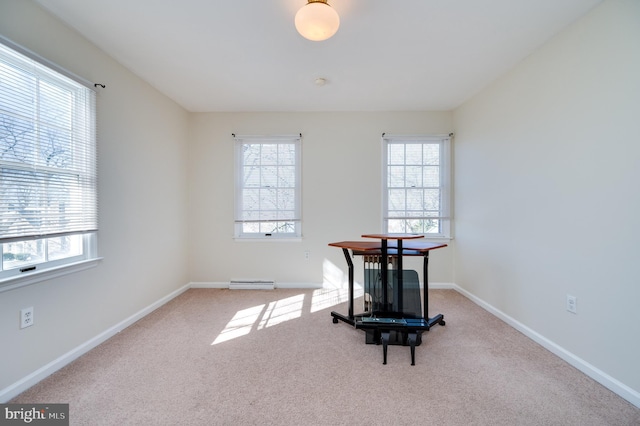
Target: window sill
(268,240)
(440,238)
(13,283)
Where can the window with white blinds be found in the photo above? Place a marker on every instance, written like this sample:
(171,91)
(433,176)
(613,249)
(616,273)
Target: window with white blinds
(48,188)
(416,180)
(268,188)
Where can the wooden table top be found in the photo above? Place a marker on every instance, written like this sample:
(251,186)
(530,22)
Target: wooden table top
(358,245)
(371,246)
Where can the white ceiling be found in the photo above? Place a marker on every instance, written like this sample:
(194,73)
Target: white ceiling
(245,55)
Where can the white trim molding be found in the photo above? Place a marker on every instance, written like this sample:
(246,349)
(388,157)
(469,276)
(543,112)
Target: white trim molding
(45,371)
(47,274)
(278,284)
(596,374)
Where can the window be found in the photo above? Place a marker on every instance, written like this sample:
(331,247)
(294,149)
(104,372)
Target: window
(267,186)
(48,200)
(416,180)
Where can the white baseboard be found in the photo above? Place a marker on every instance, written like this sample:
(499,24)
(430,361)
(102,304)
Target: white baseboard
(277,285)
(442,286)
(299,285)
(596,374)
(604,379)
(195,284)
(25,383)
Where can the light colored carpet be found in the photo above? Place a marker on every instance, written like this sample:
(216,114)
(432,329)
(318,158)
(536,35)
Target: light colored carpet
(235,357)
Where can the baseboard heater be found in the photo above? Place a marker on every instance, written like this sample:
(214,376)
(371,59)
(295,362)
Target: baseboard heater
(252,285)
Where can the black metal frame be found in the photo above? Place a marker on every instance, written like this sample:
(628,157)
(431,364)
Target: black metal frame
(381,331)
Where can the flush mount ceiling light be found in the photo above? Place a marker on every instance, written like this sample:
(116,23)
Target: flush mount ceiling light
(317,20)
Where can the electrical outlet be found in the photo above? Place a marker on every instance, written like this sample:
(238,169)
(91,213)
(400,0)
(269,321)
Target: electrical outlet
(307,254)
(572,304)
(26,317)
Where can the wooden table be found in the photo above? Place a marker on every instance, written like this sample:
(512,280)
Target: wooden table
(397,246)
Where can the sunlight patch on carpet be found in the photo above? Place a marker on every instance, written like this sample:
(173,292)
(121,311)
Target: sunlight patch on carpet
(241,324)
(282,310)
(335,288)
(325,298)
(335,291)
(260,317)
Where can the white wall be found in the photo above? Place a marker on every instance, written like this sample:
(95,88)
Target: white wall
(546,165)
(341,174)
(547,198)
(142,139)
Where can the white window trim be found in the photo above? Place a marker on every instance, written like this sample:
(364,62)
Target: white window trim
(56,269)
(239,235)
(268,239)
(446,176)
(47,274)
(14,278)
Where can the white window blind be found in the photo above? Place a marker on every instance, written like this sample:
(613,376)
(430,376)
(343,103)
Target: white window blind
(268,188)
(416,184)
(48,182)
(47,151)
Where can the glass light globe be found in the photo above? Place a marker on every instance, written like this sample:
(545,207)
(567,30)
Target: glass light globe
(317,21)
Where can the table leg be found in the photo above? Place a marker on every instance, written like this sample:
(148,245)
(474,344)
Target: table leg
(412,343)
(425,276)
(438,319)
(350,264)
(384,271)
(384,336)
(350,318)
(400,282)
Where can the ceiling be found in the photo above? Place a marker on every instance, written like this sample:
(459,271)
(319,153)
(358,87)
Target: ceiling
(245,55)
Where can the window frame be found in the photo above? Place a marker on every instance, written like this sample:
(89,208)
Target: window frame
(240,233)
(445,181)
(83,117)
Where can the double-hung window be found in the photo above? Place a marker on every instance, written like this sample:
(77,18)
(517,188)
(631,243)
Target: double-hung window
(48,199)
(268,190)
(416,185)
